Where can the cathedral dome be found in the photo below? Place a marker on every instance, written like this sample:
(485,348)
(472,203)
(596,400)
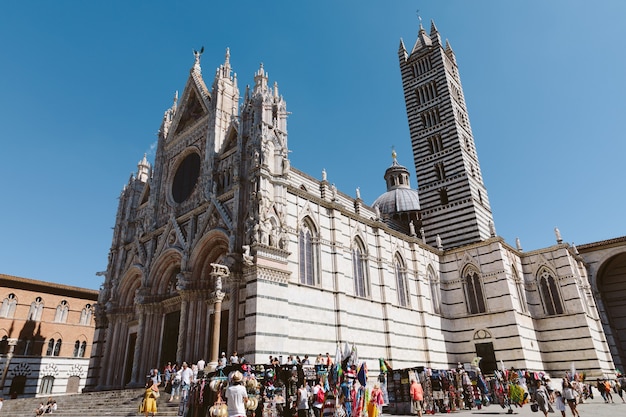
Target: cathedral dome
(399,197)
(397,201)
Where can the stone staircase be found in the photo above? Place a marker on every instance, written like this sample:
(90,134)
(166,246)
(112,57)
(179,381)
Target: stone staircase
(117,403)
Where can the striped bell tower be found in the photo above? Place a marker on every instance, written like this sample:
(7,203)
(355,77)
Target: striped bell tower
(453,198)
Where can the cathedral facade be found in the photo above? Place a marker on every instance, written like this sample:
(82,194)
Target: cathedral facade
(222,245)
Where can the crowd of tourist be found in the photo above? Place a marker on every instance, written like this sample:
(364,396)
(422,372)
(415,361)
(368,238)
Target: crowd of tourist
(308,398)
(574,390)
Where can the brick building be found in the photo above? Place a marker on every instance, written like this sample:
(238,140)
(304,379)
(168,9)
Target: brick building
(46,334)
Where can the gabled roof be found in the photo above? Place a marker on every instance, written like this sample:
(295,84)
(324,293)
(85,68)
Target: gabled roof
(194,103)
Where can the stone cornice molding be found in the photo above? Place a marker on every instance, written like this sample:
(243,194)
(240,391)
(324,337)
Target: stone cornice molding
(171,303)
(150,308)
(194,294)
(270,252)
(358,217)
(271,274)
(122,314)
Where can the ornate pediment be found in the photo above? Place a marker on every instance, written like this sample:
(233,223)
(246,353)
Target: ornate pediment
(191,110)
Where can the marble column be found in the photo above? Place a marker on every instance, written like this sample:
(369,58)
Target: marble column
(136,379)
(182,284)
(218,272)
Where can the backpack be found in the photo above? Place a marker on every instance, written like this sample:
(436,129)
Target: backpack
(319,397)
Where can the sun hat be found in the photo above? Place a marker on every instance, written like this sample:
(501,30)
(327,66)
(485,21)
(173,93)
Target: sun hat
(236,377)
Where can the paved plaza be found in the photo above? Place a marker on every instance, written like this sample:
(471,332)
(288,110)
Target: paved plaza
(595,407)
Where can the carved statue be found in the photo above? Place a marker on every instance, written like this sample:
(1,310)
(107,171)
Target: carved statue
(266,228)
(323,175)
(247,258)
(256,235)
(197,55)
(411,227)
(283,243)
(557,232)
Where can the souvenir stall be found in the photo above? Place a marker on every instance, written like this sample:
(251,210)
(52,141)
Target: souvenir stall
(399,387)
(271,391)
(444,390)
(510,387)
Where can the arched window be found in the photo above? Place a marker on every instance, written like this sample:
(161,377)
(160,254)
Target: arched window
(359,266)
(8,306)
(434,292)
(57,347)
(307,246)
(85,314)
(61,314)
(36,308)
(474,291)
(401,282)
(4,345)
(47,382)
(80,349)
(50,350)
(550,294)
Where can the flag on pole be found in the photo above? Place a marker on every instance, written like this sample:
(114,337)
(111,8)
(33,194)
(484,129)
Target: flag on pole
(354,355)
(346,350)
(362,374)
(338,355)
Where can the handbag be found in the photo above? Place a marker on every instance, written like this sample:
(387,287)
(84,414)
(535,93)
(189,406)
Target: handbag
(156,394)
(534,407)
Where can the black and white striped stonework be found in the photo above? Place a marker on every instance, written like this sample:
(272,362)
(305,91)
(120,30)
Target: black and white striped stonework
(453,198)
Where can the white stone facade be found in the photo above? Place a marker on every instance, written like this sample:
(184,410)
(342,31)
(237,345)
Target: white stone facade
(311,267)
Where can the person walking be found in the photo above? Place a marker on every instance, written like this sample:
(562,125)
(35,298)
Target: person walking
(302,401)
(176,379)
(318,399)
(155,376)
(541,398)
(619,386)
(559,402)
(186,377)
(570,396)
(376,401)
(417,396)
(236,396)
(607,390)
(149,404)
(601,389)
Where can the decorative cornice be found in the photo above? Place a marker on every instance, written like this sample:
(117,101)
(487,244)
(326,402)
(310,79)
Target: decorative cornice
(618,241)
(272,274)
(270,252)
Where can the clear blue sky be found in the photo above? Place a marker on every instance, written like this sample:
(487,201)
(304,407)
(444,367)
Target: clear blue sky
(85,84)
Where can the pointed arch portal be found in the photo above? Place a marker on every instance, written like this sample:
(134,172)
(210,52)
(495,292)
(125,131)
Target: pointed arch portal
(612,287)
